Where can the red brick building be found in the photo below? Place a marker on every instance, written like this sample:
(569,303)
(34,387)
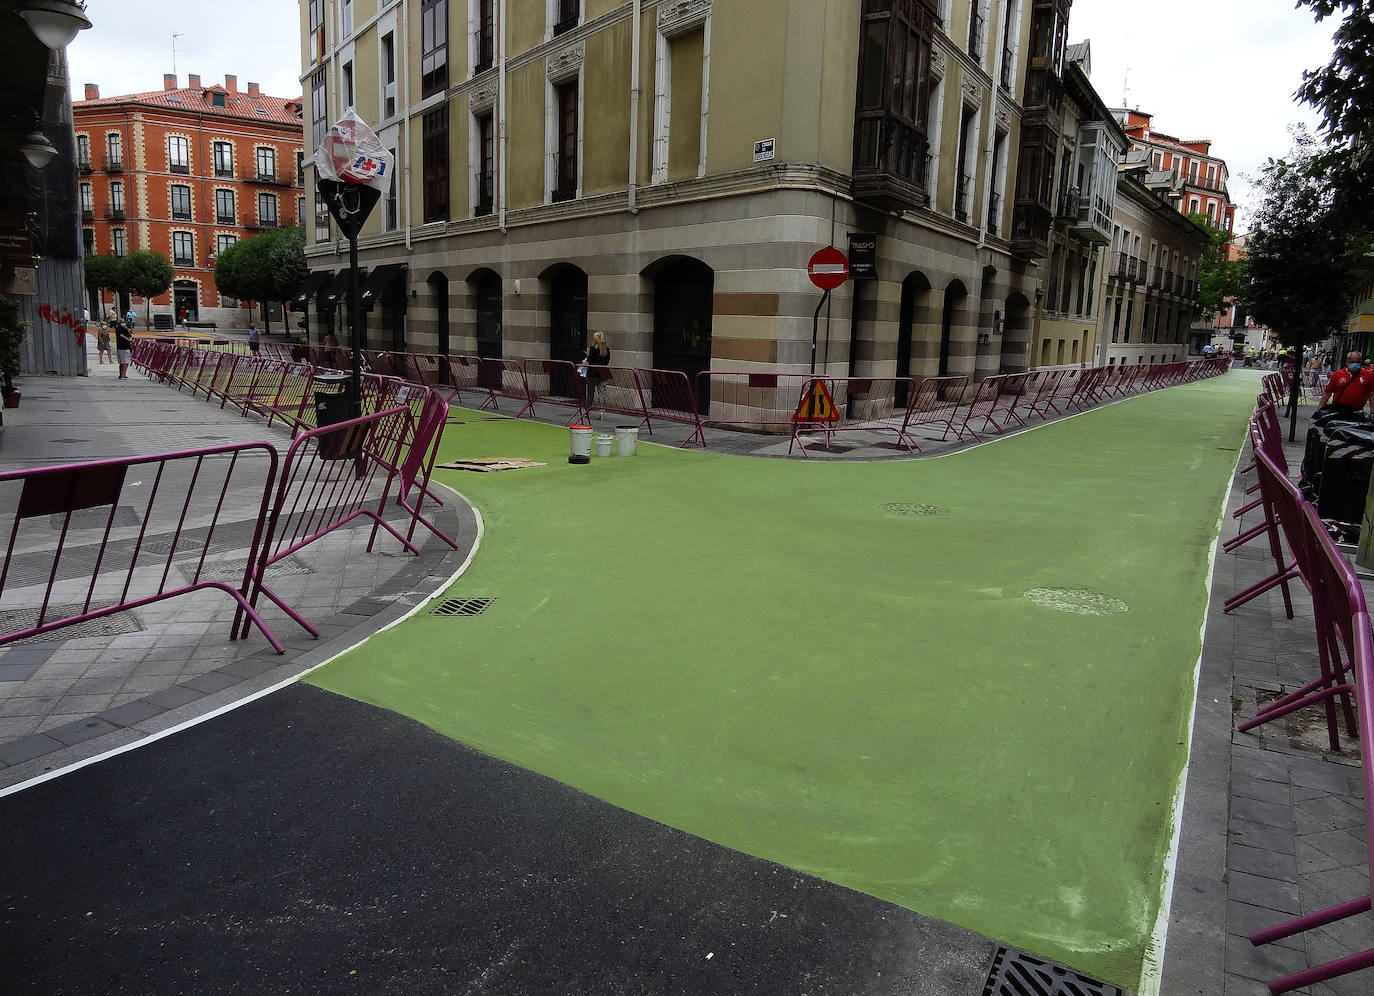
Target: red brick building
(187,171)
(1200,176)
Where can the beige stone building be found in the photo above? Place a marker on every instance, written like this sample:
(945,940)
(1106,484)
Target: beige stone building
(664,170)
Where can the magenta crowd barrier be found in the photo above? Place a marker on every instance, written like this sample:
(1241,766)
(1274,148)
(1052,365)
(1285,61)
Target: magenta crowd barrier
(669,396)
(134,531)
(1285,569)
(554,382)
(935,402)
(758,400)
(503,379)
(618,391)
(1267,432)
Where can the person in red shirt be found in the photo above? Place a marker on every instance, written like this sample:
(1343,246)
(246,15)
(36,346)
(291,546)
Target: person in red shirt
(1350,386)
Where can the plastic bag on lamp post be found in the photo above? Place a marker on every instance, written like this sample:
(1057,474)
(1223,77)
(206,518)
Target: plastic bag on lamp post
(352,153)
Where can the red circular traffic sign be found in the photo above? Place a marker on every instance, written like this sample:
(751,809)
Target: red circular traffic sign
(828,268)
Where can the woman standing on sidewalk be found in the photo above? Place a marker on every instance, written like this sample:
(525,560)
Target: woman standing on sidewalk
(102,344)
(599,355)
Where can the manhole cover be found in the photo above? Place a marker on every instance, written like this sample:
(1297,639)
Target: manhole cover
(912,508)
(231,571)
(1077,600)
(1015,973)
(184,545)
(117,624)
(462,606)
(95,518)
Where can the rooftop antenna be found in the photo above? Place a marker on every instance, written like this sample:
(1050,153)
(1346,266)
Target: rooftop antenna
(1124,89)
(175,36)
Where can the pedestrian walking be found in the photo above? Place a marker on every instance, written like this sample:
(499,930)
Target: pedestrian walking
(102,344)
(124,348)
(254,338)
(598,356)
(131,319)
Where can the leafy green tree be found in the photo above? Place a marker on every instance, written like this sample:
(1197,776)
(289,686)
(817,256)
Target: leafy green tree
(267,267)
(1300,253)
(1218,278)
(1343,92)
(102,273)
(147,274)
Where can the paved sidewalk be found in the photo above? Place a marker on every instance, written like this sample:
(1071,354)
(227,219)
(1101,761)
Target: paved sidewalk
(79,692)
(1273,821)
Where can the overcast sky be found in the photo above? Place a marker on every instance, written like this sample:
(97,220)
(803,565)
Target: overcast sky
(1219,69)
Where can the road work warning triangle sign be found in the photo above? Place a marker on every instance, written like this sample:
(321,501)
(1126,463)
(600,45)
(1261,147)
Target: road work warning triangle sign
(816,405)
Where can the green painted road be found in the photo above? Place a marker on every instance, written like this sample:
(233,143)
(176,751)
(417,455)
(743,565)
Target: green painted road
(762,653)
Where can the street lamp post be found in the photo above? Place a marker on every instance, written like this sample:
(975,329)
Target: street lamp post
(350,204)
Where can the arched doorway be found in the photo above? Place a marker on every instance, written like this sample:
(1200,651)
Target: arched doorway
(684,290)
(1016,335)
(915,289)
(567,312)
(486,291)
(955,294)
(438,289)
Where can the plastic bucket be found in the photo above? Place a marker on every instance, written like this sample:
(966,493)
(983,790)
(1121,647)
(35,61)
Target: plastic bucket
(603,445)
(625,439)
(580,442)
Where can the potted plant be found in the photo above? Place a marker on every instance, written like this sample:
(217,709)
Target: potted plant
(12,333)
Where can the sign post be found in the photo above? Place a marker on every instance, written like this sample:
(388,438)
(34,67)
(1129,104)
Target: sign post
(827,269)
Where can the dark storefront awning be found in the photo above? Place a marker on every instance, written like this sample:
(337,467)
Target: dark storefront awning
(378,281)
(313,282)
(338,290)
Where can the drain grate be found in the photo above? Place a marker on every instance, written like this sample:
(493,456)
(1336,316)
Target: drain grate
(186,545)
(231,571)
(113,625)
(95,518)
(1015,973)
(462,606)
(1079,601)
(912,508)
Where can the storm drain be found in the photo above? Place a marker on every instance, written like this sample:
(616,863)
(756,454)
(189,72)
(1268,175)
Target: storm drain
(912,508)
(462,606)
(95,518)
(1015,973)
(185,545)
(231,571)
(117,624)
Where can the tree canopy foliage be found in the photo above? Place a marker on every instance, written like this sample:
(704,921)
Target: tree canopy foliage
(147,274)
(102,273)
(1218,277)
(267,267)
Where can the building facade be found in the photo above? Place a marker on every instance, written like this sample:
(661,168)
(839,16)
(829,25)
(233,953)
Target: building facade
(187,171)
(663,171)
(1200,177)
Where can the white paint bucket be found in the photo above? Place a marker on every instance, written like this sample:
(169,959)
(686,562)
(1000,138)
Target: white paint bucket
(580,442)
(625,439)
(603,445)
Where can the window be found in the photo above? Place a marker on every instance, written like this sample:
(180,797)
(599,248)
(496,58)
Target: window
(1192,172)
(316,30)
(348,84)
(1212,213)
(114,154)
(178,154)
(391,217)
(321,221)
(267,164)
(434,157)
(83,153)
(388,75)
(224,207)
(345,18)
(433,48)
(183,249)
(223,242)
(300,203)
(117,241)
(486,158)
(319,109)
(88,241)
(300,168)
(87,200)
(565,159)
(224,160)
(894,98)
(116,201)
(976,19)
(484,39)
(216,98)
(1193,205)
(181,202)
(565,15)
(267,210)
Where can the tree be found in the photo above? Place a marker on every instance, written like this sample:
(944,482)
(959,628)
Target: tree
(147,274)
(102,274)
(1343,91)
(267,267)
(1218,277)
(1298,276)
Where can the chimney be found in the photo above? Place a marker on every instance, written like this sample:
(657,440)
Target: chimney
(253,90)
(169,81)
(193,81)
(231,83)
(92,91)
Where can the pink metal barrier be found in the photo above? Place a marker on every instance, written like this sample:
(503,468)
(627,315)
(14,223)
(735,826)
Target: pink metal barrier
(935,402)
(135,531)
(763,402)
(555,382)
(503,379)
(668,396)
(618,391)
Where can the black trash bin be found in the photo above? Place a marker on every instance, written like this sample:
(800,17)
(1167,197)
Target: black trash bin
(332,407)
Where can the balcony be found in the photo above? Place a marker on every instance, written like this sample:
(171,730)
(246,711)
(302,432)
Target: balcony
(1156,281)
(564,175)
(962,195)
(114,212)
(1119,267)
(1030,229)
(890,164)
(1068,204)
(273,177)
(1137,271)
(83,165)
(87,214)
(225,219)
(112,164)
(484,188)
(184,262)
(259,223)
(224,172)
(181,214)
(485,49)
(182,168)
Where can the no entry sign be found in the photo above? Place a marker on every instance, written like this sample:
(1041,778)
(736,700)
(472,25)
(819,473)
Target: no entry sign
(828,268)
